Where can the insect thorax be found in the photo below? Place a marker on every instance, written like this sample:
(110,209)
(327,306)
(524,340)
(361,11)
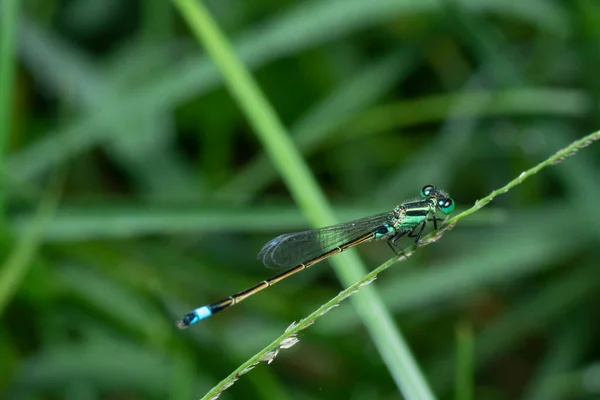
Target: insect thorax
(409,215)
(399,214)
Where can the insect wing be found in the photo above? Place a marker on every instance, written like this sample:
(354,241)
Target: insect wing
(292,249)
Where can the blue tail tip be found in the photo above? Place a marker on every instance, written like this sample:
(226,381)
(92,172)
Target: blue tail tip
(191,318)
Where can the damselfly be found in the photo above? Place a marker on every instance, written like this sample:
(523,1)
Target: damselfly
(300,250)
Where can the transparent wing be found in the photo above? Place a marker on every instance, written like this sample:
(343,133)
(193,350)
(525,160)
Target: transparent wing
(292,249)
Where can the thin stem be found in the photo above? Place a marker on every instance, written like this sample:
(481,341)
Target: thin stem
(292,331)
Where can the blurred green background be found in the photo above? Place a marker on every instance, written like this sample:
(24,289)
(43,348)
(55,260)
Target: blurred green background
(134,189)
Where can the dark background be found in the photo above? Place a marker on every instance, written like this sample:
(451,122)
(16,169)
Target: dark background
(167,196)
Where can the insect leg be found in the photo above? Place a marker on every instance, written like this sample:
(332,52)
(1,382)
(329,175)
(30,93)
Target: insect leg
(392,241)
(418,235)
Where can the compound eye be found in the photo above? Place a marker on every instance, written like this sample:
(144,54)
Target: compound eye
(446,205)
(427,191)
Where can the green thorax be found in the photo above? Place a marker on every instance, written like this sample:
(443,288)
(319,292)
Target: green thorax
(413,213)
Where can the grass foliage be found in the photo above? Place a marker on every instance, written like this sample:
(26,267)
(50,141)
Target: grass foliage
(186,134)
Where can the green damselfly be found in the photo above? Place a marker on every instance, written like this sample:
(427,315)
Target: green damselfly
(300,250)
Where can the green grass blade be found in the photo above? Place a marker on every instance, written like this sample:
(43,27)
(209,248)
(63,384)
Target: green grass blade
(15,267)
(9,11)
(307,194)
(464,362)
(476,103)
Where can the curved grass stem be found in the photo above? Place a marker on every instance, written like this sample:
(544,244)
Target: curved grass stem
(290,335)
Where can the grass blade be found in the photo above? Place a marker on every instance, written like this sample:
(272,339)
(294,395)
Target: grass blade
(8,21)
(307,194)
